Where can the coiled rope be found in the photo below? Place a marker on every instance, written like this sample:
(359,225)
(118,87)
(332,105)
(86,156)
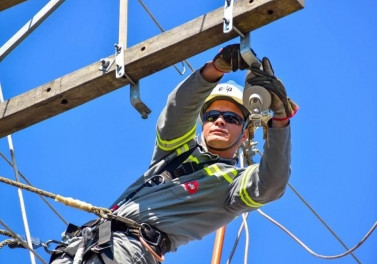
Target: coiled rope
(7,241)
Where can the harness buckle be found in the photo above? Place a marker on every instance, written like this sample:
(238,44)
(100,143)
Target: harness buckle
(151,235)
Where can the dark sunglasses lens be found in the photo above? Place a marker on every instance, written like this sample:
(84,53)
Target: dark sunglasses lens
(229,117)
(211,116)
(232,118)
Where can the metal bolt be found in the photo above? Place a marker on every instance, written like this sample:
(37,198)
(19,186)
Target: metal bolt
(118,48)
(226,20)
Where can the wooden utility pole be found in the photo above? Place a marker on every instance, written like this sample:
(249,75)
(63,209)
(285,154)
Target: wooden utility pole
(140,60)
(4,4)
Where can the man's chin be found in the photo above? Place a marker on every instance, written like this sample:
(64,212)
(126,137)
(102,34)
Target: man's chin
(217,143)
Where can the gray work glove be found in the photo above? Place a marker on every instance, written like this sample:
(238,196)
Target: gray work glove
(229,59)
(282,106)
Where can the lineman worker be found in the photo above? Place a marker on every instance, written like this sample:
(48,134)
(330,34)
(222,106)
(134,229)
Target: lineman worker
(193,185)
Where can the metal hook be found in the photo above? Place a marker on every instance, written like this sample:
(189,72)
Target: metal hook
(46,245)
(183,68)
(136,101)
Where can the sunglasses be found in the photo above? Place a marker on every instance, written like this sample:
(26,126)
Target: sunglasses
(229,117)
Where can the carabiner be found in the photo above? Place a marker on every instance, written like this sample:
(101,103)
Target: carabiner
(46,245)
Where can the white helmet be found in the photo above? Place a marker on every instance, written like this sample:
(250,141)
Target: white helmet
(226,91)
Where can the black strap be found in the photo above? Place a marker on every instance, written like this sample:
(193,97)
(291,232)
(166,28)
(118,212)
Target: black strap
(170,167)
(177,161)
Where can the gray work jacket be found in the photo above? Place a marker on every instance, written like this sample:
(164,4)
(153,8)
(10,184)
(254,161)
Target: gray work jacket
(194,205)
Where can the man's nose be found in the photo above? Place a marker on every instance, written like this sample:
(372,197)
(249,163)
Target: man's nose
(220,120)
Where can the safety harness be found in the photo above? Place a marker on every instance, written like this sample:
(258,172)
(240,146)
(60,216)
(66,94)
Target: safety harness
(97,234)
(97,239)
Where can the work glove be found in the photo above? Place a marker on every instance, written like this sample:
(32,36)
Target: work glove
(282,106)
(229,59)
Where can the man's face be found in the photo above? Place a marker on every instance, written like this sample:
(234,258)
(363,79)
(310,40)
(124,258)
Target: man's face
(219,133)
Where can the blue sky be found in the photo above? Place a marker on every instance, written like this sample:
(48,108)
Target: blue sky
(325,55)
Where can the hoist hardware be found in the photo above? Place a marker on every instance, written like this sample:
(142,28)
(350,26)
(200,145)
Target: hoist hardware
(255,98)
(246,52)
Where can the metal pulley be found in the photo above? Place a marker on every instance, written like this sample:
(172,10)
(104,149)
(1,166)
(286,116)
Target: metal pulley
(255,98)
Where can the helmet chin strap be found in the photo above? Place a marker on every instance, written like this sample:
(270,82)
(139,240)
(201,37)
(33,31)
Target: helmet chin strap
(233,144)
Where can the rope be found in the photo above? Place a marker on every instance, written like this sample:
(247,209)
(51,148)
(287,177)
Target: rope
(311,251)
(28,182)
(102,212)
(5,233)
(17,238)
(5,242)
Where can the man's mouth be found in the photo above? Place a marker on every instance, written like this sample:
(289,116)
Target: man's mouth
(218,131)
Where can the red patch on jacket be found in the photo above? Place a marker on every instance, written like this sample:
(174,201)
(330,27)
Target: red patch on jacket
(191,187)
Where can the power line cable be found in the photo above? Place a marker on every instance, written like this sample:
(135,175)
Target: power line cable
(25,245)
(311,251)
(162,30)
(322,221)
(316,214)
(28,182)
(19,191)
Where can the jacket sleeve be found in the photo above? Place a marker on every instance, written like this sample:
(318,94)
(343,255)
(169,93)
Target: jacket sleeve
(261,183)
(176,124)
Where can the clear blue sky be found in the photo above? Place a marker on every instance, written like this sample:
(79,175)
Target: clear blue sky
(326,56)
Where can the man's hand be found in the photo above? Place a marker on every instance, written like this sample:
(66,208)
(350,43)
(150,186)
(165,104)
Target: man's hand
(282,106)
(229,59)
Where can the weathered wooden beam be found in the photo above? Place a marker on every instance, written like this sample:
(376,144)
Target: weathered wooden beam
(141,60)
(4,4)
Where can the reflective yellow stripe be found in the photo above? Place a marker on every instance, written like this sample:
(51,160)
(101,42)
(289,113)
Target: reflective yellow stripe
(243,190)
(194,159)
(208,170)
(182,149)
(228,174)
(168,145)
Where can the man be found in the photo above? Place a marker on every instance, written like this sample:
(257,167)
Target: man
(193,186)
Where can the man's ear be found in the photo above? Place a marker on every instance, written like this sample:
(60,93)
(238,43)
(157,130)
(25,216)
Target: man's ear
(245,135)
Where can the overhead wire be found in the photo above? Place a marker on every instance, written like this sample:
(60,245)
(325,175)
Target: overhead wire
(316,214)
(162,30)
(244,216)
(25,245)
(19,191)
(310,250)
(235,244)
(243,226)
(44,200)
(322,221)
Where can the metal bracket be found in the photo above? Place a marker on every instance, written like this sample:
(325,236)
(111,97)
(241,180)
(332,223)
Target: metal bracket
(255,98)
(119,61)
(247,53)
(136,101)
(228,16)
(134,86)
(256,110)
(105,64)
